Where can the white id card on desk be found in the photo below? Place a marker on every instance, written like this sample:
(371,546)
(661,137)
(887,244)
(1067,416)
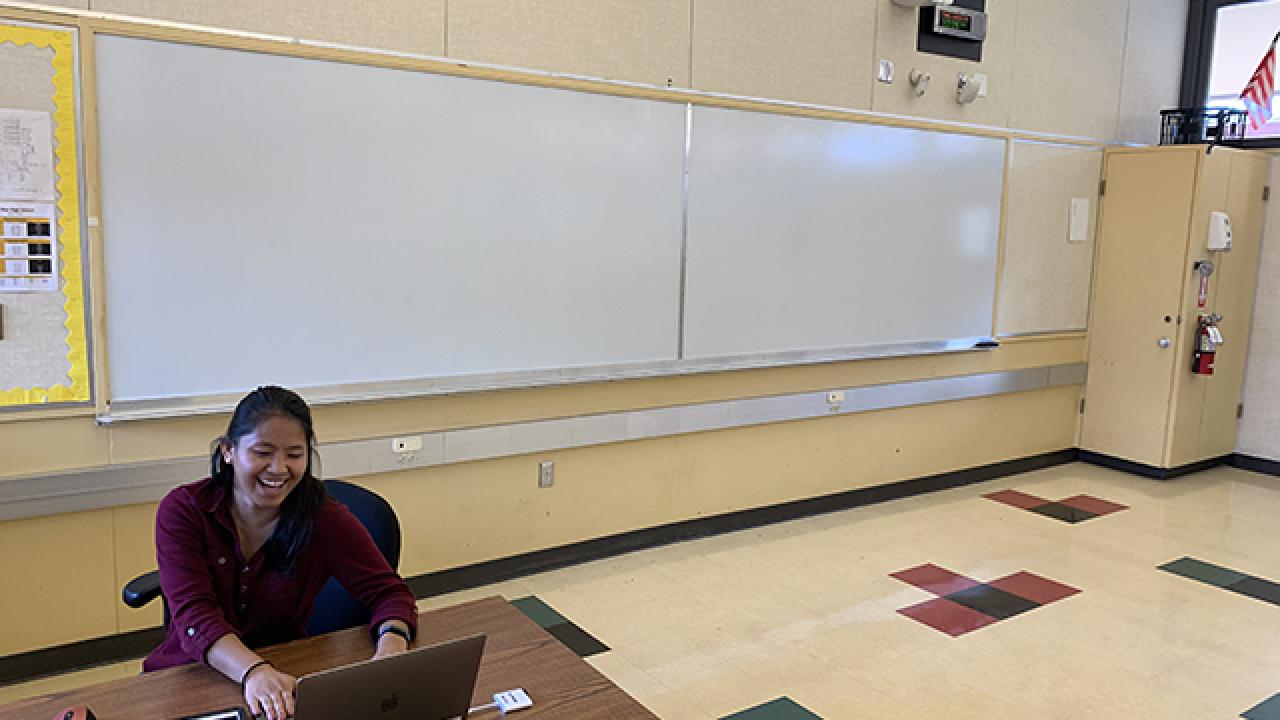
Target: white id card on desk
(228,714)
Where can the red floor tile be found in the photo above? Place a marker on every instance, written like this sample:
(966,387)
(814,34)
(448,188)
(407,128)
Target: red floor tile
(1097,506)
(934,579)
(951,618)
(1033,587)
(1016,499)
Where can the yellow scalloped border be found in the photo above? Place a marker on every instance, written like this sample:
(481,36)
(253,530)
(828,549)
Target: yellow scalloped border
(62,42)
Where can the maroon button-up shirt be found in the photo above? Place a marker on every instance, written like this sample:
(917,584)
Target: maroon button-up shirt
(212,589)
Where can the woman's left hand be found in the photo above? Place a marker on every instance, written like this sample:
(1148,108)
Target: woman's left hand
(390,644)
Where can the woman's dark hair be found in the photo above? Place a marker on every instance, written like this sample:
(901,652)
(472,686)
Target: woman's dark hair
(298,512)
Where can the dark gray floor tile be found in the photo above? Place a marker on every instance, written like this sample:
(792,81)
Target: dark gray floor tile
(1065,513)
(783,708)
(992,601)
(1204,572)
(577,639)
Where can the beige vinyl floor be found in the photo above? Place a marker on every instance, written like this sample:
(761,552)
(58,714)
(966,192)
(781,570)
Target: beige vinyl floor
(808,610)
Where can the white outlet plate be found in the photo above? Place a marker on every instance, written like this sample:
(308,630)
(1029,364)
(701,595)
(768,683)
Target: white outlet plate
(412,443)
(835,397)
(546,474)
(981,79)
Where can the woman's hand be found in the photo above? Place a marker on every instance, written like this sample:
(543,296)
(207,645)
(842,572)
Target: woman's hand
(269,692)
(390,644)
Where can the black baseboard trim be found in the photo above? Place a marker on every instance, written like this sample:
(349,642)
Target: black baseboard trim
(78,655)
(1256,464)
(128,646)
(1151,471)
(509,568)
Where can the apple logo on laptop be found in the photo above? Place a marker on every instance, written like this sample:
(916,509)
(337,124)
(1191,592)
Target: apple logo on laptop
(390,703)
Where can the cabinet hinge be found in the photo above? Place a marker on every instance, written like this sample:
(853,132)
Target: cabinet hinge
(1102,187)
(1081,406)
(1266,193)
(1239,411)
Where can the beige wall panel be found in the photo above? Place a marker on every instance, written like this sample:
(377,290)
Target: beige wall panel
(1260,426)
(816,51)
(646,41)
(896,40)
(135,552)
(164,439)
(765,466)
(78,4)
(64,565)
(611,489)
(1044,279)
(42,446)
(1067,67)
(415,26)
(1152,67)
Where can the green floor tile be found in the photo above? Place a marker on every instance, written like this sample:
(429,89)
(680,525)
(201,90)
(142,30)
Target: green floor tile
(784,708)
(1268,709)
(539,611)
(1203,571)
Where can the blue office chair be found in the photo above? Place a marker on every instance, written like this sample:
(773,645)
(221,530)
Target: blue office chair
(335,608)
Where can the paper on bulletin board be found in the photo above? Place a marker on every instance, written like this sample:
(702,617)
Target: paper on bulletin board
(26,155)
(30,252)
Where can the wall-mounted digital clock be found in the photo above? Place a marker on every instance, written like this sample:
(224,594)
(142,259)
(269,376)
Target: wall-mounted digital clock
(960,22)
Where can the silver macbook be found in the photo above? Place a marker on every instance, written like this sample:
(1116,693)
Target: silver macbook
(434,682)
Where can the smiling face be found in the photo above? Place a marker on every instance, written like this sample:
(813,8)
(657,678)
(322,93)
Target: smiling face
(268,462)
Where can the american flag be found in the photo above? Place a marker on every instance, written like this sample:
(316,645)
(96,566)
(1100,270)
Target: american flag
(1257,94)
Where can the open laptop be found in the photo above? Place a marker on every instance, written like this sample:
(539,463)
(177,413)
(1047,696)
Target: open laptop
(434,682)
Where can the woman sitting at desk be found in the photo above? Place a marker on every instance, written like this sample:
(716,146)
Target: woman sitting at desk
(243,554)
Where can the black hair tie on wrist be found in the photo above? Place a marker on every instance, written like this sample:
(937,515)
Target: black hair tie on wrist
(251,668)
(396,630)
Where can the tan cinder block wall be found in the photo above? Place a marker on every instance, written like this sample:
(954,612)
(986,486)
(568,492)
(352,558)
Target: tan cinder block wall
(815,51)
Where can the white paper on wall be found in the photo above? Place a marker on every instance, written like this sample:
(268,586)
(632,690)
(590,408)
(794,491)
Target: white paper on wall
(26,155)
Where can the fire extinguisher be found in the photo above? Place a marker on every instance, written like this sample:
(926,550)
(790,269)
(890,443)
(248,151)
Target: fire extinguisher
(1208,338)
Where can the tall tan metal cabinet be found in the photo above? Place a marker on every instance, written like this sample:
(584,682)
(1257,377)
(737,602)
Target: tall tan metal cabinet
(1143,404)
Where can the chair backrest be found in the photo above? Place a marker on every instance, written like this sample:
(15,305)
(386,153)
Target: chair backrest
(335,608)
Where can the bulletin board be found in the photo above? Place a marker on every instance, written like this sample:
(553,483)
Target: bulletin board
(44,355)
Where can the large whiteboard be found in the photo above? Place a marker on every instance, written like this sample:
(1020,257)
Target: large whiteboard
(811,234)
(276,219)
(273,219)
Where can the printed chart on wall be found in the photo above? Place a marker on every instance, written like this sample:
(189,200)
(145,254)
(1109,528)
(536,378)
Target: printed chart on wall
(43,341)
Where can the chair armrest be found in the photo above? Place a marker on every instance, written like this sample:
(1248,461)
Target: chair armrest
(142,589)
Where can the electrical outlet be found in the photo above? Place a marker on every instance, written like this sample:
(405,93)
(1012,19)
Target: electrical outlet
(546,474)
(835,397)
(410,444)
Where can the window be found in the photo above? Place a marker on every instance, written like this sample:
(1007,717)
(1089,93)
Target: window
(1225,41)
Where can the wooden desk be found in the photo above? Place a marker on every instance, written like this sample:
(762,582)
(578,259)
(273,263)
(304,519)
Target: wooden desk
(518,653)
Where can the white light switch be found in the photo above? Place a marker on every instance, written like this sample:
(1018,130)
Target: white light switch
(884,72)
(1078,223)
